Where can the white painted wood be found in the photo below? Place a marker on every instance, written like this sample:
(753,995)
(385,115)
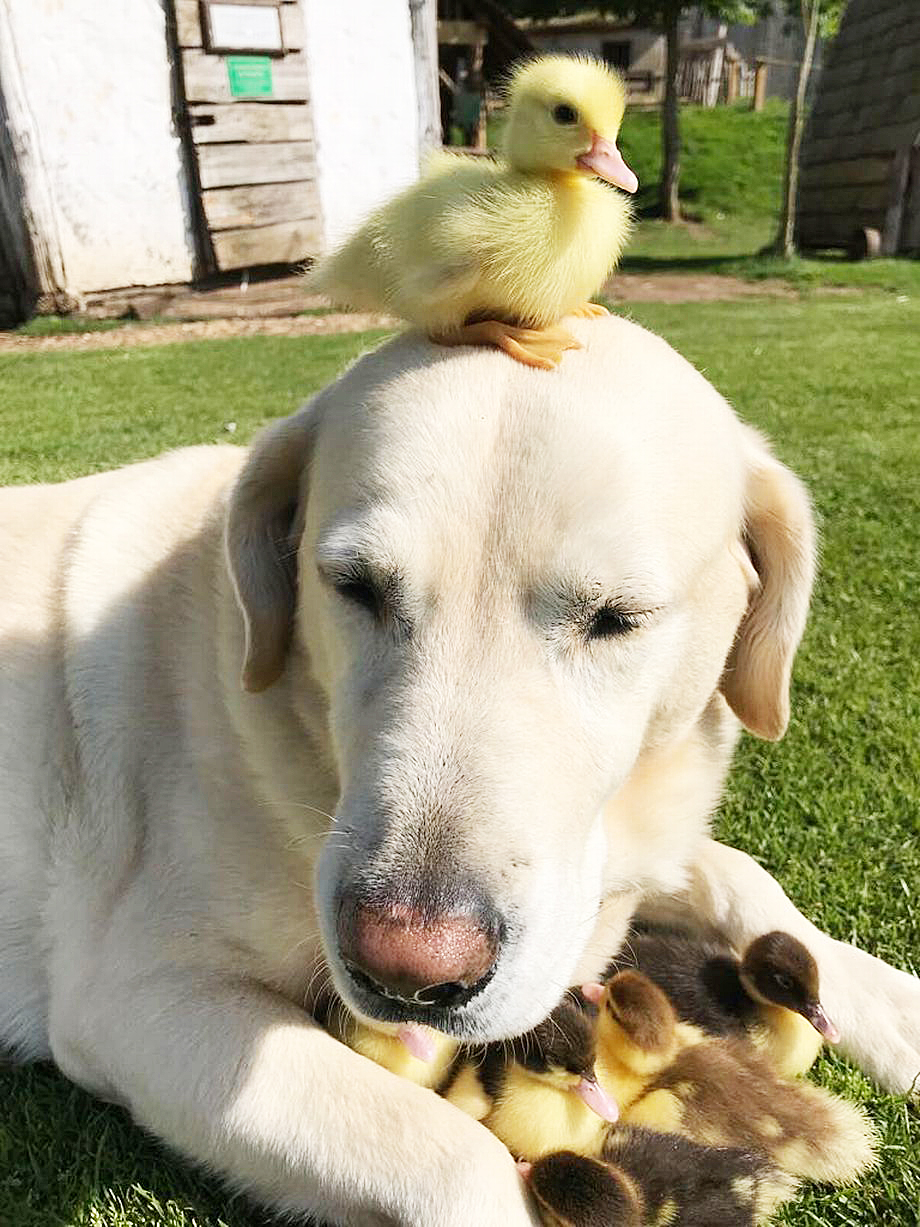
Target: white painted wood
(364,105)
(424,19)
(100,160)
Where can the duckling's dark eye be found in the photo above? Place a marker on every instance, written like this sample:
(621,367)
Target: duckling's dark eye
(611,621)
(564,114)
(784,981)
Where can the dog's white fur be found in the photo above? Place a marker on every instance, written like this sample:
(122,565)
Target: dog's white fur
(166,886)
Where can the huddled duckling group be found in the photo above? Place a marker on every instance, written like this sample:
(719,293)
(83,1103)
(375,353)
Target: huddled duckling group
(771,994)
(664,1095)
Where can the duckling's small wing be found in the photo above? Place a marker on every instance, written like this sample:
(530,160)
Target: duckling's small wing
(437,281)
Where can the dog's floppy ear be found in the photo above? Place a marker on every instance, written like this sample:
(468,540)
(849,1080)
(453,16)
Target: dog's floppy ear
(779,537)
(261,537)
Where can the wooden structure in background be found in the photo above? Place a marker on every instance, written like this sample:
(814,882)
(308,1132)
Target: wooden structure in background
(469,39)
(859,183)
(253,155)
(711,72)
(19,283)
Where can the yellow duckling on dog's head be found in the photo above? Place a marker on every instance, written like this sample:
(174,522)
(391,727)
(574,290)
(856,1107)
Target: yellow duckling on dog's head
(497,253)
(564,115)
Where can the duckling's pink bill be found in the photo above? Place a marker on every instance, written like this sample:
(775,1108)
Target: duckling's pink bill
(606,161)
(822,1024)
(418,1040)
(593,1094)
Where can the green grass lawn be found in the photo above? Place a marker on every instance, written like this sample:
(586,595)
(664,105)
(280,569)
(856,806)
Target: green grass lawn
(833,810)
(731,193)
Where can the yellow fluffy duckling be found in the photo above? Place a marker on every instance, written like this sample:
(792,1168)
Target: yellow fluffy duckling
(421,1054)
(496,253)
(719,1091)
(790,1025)
(539,1093)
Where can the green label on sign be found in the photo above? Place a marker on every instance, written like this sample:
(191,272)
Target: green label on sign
(250,76)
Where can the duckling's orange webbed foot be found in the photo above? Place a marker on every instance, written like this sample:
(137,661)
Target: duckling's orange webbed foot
(589,311)
(539,347)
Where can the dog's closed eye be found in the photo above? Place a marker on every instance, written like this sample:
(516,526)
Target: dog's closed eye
(362,590)
(611,621)
(378,593)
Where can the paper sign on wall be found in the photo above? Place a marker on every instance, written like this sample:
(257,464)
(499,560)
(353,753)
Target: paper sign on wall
(243,27)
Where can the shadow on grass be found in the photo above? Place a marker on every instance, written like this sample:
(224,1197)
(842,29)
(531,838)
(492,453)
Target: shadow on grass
(679,264)
(66,1158)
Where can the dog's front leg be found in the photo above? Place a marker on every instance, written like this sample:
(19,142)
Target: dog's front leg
(242,1081)
(875,1007)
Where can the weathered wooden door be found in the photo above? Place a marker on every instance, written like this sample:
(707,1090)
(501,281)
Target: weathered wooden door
(910,222)
(244,77)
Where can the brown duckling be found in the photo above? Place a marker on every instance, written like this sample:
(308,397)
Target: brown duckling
(657,1178)
(719,1091)
(637,1035)
(771,993)
(539,1092)
(574,1191)
(685,1184)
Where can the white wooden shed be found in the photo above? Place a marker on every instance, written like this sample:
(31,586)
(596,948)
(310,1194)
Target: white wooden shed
(149,142)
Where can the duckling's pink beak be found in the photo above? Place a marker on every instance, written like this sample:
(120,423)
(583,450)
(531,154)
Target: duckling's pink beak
(418,1040)
(593,1094)
(821,1023)
(605,160)
(593,992)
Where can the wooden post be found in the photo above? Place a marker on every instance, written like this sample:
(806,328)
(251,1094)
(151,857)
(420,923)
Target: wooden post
(481,140)
(716,61)
(760,84)
(424,18)
(734,81)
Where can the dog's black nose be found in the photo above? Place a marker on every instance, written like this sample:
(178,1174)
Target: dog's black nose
(430,960)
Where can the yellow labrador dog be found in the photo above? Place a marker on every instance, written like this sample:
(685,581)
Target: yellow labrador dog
(496,630)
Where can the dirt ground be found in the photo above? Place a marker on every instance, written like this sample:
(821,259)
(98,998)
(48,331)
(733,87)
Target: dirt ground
(273,309)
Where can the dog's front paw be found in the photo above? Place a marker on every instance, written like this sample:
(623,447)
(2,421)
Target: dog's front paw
(877,1010)
(489,1189)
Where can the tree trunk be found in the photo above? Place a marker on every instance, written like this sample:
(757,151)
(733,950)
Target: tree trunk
(670,126)
(785,239)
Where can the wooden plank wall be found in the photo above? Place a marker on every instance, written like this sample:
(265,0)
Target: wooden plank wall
(256,159)
(863,124)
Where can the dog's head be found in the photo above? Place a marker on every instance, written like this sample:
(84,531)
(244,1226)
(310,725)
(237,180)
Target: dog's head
(522,596)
